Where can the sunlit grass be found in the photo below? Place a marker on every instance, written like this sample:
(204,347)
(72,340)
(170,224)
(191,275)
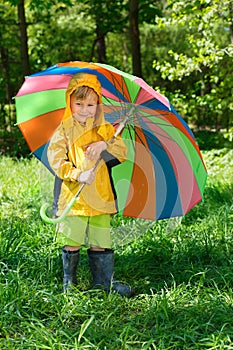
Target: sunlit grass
(182,274)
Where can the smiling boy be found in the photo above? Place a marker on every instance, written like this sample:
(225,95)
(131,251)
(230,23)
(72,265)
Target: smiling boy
(79,141)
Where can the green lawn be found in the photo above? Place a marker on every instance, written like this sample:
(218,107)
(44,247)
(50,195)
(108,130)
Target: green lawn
(182,273)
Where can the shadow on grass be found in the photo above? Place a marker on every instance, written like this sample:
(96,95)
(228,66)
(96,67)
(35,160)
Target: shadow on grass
(200,248)
(161,265)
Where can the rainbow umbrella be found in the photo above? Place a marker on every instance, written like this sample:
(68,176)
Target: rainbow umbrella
(164,175)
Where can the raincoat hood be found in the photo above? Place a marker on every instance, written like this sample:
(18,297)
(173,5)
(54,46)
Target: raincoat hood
(90,80)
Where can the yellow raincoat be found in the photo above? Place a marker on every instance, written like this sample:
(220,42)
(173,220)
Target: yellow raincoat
(66,155)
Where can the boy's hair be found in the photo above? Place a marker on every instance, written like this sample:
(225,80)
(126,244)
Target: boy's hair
(83,91)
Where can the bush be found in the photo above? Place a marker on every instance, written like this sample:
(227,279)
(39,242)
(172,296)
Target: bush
(208,140)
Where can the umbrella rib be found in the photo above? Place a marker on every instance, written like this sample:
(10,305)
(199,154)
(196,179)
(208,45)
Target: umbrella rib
(129,126)
(130,134)
(115,83)
(164,125)
(139,137)
(151,139)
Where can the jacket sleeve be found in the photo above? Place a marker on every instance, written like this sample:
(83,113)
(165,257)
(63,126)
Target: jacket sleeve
(117,148)
(58,157)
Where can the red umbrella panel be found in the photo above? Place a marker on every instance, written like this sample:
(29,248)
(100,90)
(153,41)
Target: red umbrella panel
(164,175)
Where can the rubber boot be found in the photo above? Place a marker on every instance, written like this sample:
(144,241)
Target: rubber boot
(70,264)
(102,269)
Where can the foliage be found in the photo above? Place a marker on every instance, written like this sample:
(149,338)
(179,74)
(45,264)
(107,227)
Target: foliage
(190,43)
(183,277)
(203,63)
(10,48)
(208,140)
(59,33)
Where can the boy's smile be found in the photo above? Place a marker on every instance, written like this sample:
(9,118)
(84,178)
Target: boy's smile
(82,109)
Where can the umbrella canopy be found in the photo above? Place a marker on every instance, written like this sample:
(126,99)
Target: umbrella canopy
(164,175)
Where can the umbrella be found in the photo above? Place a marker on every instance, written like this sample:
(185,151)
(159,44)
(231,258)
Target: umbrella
(164,175)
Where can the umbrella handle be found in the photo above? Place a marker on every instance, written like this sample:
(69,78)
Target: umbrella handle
(58,219)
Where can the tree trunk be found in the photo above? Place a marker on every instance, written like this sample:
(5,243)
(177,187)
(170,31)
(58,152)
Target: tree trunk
(231,25)
(23,39)
(135,37)
(6,72)
(100,43)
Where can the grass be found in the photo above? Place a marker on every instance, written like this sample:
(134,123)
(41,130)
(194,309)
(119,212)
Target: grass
(183,275)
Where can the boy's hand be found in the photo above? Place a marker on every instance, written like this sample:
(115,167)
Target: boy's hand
(94,150)
(87,176)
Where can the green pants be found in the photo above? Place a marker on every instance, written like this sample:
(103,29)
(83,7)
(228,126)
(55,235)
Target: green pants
(85,230)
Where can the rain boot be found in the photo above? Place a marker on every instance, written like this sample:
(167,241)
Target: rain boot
(102,269)
(70,264)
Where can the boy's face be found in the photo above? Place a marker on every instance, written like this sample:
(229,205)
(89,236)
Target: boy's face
(83,108)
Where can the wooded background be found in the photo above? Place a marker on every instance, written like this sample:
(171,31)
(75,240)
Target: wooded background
(182,48)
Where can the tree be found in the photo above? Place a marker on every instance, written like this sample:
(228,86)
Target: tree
(9,45)
(205,65)
(108,17)
(23,38)
(135,37)
(141,12)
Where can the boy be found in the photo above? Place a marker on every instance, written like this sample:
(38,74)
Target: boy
(79,141)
